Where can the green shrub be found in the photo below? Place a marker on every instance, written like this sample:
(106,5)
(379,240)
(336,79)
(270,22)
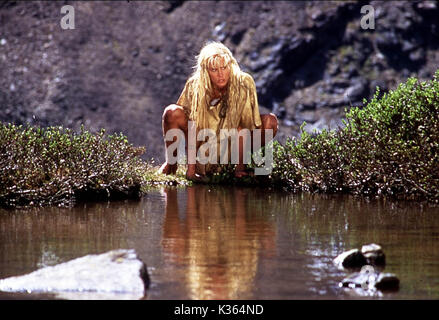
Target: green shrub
(388,147)
(55,166)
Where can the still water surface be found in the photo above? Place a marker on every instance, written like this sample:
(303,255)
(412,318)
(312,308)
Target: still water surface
(205,242)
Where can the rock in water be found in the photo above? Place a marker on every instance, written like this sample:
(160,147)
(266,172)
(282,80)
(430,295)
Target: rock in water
(387,281)
(114,274)
(364,279)
(351,259)
(370,254)
(373,254)
(369,279)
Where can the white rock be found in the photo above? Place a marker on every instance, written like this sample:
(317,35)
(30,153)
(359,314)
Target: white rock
(112,274)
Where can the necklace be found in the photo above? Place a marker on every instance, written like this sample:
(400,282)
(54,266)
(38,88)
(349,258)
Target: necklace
(214,102)
(220,95)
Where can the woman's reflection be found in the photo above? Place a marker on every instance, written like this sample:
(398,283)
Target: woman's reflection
(218,238)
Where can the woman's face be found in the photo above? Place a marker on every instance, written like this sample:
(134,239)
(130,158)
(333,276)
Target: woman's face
(219,74)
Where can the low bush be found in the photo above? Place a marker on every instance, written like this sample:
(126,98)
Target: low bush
(389,147)
(55,166)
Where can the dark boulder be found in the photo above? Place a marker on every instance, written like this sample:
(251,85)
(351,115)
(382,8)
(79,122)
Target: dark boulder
(370,254)
(351,259)
(387,281)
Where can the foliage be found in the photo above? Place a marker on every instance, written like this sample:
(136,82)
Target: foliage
(389,147)
(55,166)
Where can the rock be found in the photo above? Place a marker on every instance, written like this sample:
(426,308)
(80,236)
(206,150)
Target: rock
(374,254)
(356,91)
(417,56)
(363,279)
(387,281)
(426,6)
(387,42)
(368,279)
(370,254)
(351,259)
(117,274)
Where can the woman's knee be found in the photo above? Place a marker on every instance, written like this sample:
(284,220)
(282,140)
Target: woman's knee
(269,121)
(173,114)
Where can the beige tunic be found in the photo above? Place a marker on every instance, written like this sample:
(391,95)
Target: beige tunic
(243,112)
(243,106)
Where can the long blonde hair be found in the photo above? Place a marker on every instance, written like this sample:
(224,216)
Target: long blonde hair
(210,56)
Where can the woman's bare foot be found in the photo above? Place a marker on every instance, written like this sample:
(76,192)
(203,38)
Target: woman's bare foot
(191,174)
(242,172)
(167,168)
(197,178)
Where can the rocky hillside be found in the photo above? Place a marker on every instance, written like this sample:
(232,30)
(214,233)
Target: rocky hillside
(126,60)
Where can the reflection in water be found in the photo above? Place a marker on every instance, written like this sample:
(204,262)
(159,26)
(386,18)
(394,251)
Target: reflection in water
(39,237)
(206,242)
(218,238)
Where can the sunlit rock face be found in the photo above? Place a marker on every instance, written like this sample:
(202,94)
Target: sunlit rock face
(126,60)
(117,274)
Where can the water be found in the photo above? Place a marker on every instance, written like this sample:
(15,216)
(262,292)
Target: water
(205,242)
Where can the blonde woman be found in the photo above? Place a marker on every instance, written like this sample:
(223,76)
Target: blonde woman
(217,96)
